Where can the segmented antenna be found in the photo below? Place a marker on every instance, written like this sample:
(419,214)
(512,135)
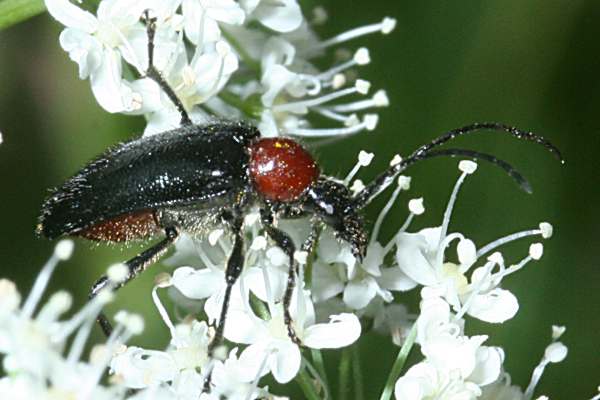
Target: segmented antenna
(426,151)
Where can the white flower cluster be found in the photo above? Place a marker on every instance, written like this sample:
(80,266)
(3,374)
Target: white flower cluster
(42,353)
(255,59)
(338,288)
(252,59)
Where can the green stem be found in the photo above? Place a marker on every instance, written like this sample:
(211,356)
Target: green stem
(357,376)
(399,364)
(319,363)
(318,371)
(15,11)
(345,368)
(307,385)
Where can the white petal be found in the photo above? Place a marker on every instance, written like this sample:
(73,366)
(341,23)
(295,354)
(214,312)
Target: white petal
(121,13)
(277,51)
(139,368)
(395,279)
(84,49)
(252,359)
(358,293)
(374,259)
(489,365)
(107,83)
(227,11)
(342,330)
(283,16)
(410,256)
(409,388)
(275,78)
(151,95)
(198,28)
(72,16)
(197,284)
(285,363)
(326,282)
(496,306)
(255,280)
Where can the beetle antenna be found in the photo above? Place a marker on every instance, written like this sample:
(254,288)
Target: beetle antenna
(155,75)
(380,183)
(493,126)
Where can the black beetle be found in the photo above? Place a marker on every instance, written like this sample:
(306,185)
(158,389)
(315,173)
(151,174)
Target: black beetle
(195,176)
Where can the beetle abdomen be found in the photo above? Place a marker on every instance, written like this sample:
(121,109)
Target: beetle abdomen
(192,165)
(125,228)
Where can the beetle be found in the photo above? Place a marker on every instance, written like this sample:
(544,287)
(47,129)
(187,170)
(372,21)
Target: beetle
(195,176)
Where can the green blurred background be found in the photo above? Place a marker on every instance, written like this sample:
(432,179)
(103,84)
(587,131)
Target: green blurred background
(534,64)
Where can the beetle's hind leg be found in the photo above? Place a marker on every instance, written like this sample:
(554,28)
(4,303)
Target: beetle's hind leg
(136,266)
(155,75)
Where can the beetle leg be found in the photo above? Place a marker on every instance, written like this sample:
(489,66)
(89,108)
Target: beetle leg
(235,265)
(155,75)
(283,241)
(136,266)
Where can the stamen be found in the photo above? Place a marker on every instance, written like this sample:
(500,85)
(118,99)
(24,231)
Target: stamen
(162,281)
(415,206)
(384,211)
(62,252)
(379,99)
(269,292)
(347,120)
(360,86)
(448,212)
(492,261)
(58,304)
(203,256)
(361,57)
(88,312)
(443,245)
(506,239)
(554,353)
(385,26)
(364,159)
(369,123)
(79,342)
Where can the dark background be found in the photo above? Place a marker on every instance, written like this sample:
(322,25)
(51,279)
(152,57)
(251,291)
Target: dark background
(534,64)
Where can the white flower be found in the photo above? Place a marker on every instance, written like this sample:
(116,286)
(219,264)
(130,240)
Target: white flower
(42,352)
(278,15)
(271,349)
(202,18)
(424,381)
(95,44)
(421,256)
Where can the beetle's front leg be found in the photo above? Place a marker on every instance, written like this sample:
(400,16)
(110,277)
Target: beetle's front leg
(235,266)
(283,241)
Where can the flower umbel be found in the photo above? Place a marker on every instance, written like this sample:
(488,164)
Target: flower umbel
(262,60)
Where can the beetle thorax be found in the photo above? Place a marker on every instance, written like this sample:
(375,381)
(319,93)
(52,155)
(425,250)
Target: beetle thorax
(281,169)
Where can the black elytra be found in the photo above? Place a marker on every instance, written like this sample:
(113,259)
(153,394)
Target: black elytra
(196,176)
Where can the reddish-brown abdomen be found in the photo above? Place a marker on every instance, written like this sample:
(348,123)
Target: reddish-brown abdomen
(281,169)
(124,228)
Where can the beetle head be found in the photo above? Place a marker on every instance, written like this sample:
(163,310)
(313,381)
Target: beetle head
(333,203)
